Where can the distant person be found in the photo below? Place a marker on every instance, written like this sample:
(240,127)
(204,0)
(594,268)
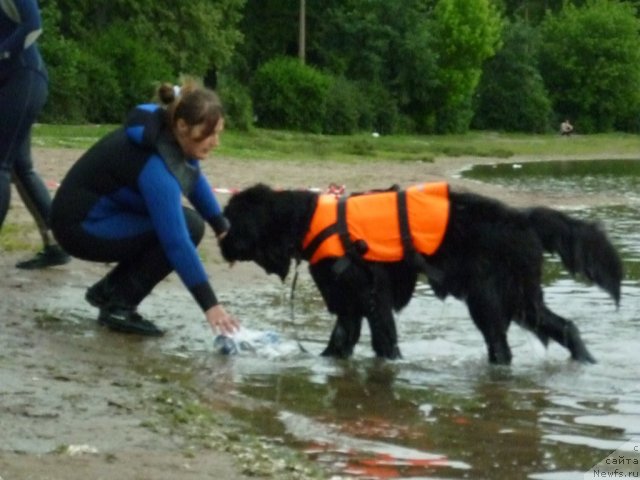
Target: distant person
(23,93)
(566,128)
(122,202)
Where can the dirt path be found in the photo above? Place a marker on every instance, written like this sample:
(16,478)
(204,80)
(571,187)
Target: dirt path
(79,402)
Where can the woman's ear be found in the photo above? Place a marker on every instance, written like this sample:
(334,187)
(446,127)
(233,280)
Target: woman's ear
(181,127)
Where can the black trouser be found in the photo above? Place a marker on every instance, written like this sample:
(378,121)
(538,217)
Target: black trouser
(142,263)
(22,97)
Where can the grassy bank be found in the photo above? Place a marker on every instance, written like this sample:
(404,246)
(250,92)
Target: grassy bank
(270,144)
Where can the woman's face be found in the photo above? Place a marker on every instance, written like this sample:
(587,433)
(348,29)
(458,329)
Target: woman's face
(192,143)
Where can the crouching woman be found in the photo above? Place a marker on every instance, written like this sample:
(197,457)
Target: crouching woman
(122,202)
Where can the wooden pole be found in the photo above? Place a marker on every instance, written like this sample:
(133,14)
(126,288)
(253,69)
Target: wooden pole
(302,32)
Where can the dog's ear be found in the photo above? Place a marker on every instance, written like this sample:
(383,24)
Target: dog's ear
(259,231)
(278,244)
(248,218)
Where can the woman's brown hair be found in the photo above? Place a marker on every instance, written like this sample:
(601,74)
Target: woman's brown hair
(193,103)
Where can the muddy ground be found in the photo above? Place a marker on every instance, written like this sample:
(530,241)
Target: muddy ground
(79,402)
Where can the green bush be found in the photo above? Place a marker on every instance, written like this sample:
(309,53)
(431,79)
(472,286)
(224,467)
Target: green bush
(342,108)
(290,95)
(379,110)
(68,86)
(237,105)
(104,102)
(101,80)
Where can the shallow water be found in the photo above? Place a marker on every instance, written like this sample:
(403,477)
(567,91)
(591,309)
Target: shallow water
(442,411)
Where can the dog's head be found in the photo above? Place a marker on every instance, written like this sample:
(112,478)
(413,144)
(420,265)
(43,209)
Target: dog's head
(260,231)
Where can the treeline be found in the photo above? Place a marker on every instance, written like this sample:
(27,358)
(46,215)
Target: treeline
(411,66)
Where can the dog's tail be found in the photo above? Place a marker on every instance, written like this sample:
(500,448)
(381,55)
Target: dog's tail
(583,248)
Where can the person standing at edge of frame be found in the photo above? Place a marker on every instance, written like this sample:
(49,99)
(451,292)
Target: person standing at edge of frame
(122,202)
(23,93)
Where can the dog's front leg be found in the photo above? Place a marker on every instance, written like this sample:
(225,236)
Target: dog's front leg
(384,338)
(344,336)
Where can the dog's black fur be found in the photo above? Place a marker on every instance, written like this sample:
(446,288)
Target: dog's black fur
(491,258)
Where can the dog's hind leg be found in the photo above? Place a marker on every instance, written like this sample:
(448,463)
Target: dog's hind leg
(563,331)
(344,336)
(489,317)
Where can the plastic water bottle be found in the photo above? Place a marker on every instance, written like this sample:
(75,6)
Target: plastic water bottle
(225,345)
(245,340)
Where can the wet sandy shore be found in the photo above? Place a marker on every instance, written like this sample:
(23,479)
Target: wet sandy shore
(79,402)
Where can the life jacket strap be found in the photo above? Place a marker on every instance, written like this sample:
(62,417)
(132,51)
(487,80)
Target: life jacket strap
(325,233)
(352,249)
(403,221)
(410,253)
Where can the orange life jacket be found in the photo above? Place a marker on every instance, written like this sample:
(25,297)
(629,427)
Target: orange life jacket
(386,223)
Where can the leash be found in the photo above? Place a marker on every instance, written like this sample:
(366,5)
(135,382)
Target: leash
(292,307)
(334,189)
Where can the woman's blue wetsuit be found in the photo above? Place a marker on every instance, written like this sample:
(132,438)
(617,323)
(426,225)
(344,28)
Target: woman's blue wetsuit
(122,202)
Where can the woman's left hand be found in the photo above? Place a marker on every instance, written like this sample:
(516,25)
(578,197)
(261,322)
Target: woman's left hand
(220,321)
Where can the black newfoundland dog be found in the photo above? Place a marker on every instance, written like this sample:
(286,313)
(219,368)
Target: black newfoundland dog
(367,250)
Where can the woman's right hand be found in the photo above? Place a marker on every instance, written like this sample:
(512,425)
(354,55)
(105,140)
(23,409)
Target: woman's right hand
(220,321)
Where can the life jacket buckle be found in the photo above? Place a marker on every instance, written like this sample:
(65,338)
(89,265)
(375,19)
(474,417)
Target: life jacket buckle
(361,247)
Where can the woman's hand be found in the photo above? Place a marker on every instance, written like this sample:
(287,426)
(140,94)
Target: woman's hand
(221,321)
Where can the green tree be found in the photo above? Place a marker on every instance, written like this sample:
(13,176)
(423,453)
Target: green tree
(511,95)
(427,54)
(116,49)
(192,36)
(466,33)
(269,29)
(123,72)
(533,11)
(590,63)
(415,81)
(387,48)
(68,82)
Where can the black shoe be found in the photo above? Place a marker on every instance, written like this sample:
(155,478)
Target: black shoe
(50,256)
(127,320)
